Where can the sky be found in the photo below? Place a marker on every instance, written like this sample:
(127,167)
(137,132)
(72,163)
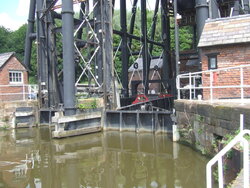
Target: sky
(14,13)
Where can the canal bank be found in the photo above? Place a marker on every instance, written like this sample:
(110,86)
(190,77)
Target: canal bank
(209,126)
(18,114)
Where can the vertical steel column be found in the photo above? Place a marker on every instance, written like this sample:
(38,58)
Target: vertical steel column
(236,10)
(132,21)
(68,57)
(201,15)
(124,47)
(98,31)
(30,30)
(246,6)
(41,56)
(213,10)
(107,53)
(54,94)
(165,24)
(176,31)
(79,33)
(154,26)
(145,55)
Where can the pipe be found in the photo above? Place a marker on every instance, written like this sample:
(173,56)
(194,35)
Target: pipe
(68,57)
(29,32)
(201,15)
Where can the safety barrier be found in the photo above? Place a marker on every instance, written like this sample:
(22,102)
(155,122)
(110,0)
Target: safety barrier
(214,81)
(18,92)
(219,159)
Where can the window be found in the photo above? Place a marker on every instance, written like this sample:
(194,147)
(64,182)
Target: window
(212,60)
(16,77)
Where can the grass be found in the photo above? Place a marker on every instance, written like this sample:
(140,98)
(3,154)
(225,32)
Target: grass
(90,104)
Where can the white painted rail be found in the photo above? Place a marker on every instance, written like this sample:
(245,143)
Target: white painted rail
(18,92)
(188,83)
(219,159)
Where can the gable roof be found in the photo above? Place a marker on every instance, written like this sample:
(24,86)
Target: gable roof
(4,57)
(230,30)
(154,62)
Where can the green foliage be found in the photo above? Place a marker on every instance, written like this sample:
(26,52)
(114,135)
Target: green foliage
(14,41)
(228,137)
(200,118)
(90,104)
(4,127)
(185,36)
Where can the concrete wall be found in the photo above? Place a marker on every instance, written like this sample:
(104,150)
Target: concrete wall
(203,125)
(7,110)
(229,56)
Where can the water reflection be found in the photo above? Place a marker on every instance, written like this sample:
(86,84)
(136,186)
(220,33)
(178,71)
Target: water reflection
(30,159)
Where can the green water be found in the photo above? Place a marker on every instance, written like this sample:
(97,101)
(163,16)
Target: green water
(29,158)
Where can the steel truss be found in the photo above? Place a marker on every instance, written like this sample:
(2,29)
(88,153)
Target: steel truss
(75,45)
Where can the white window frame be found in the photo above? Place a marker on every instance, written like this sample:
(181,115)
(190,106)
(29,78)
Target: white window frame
(13,73)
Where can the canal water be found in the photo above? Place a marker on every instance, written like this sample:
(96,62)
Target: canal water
(29,158)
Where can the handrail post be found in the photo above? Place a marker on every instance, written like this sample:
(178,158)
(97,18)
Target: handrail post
(23,92)
(194,86)
(209,175)
(190,86)
(211,86)
(220,171)
(178,87)
(246,163)
(241,83)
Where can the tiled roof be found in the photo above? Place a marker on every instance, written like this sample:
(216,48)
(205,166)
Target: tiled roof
(154,62)
(229,30)
(5,57)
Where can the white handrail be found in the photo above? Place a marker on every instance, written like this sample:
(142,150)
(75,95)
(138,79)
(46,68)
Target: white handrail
(191,85)
(21,92)
(218,158)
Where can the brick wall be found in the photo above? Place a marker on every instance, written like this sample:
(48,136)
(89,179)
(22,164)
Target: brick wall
(12,65)
(229,56)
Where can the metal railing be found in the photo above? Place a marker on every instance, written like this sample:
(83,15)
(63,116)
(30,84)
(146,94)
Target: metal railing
(189,85)
(219,159)
(18,92)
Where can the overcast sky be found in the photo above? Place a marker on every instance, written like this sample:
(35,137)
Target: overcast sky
(14,13)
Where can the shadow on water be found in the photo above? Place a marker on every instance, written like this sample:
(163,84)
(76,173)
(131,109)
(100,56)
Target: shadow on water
(29,158)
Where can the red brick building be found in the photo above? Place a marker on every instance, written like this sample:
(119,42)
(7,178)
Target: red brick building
(13,77)
(225,42)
